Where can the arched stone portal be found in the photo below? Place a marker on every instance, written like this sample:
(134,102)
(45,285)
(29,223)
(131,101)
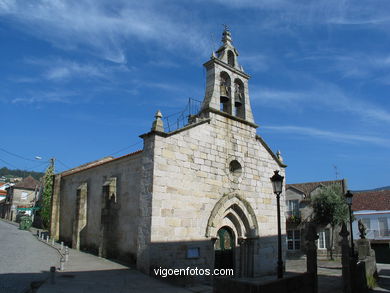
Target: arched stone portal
(233,218)
(224,249)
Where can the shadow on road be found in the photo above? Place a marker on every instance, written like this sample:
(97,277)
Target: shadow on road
(383,283)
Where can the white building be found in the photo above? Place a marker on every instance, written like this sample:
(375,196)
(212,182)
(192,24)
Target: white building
(373,209)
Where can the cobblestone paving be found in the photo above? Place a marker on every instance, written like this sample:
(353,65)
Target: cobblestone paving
(23,259)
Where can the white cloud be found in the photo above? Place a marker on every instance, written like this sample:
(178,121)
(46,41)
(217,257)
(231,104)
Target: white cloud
(323,94)
(331,135)
(59,69)
(357,65)
(335,12)
(276,97)
(66,70)
(57,96)
(104,30)
(255,62)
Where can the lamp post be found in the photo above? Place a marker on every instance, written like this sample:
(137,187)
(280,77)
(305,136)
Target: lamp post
(348,198)
(277,185)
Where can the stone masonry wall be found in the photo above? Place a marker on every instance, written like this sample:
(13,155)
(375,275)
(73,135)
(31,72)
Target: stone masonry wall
(123,233)
(192,173)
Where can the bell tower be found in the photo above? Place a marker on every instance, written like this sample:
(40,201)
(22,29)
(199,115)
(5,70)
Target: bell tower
(227,83)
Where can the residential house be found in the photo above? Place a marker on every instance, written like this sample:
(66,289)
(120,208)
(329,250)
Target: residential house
(3,192)
(299,212)
(373,209)
(21,198)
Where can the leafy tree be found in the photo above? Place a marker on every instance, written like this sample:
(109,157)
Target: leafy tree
(45,212)
(329,207)
(19,173)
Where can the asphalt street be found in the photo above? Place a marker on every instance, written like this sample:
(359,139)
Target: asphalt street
(23,259)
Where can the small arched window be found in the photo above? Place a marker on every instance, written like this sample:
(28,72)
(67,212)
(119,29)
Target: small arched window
(235,168)
(230,58)
(225,92)
(239,98)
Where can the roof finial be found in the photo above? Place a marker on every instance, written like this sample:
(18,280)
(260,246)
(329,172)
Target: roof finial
(226,28)
(226,35)
(279,156)
(158,124)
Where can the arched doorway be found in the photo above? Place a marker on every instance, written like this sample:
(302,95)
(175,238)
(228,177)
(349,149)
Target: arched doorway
(233,229)
(224,249)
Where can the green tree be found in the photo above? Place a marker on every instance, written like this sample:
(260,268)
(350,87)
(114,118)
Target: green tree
(46,195)
(330,208)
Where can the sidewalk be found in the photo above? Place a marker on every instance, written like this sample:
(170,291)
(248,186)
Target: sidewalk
(88,273)
(329,274)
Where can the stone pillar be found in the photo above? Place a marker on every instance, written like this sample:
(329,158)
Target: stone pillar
(145,203)
(243,257)
(311,253)
(367,255)
(345,259)
(250,244)
(55,208)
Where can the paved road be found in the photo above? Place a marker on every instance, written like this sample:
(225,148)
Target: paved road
(329,274)
(383,284)
(23,259)
(86,273)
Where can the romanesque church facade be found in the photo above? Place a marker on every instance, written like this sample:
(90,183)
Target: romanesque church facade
(199,196)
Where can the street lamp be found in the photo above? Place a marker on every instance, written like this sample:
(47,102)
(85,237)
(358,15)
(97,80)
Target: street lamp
(277,185)
(348,198)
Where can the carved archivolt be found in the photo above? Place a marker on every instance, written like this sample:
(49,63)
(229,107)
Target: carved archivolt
(238,211)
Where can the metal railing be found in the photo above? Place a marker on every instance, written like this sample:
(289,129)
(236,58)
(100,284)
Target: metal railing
(377,234)
(180,119)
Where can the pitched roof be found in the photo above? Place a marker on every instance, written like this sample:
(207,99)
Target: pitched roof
(97,163)
(377,200)
(308,187)
(27,183)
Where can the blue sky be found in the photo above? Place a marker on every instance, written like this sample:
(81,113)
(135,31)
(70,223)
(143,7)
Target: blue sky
(81,80)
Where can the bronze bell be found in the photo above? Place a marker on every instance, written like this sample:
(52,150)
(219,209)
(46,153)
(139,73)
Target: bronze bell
(224,94)
(238,100)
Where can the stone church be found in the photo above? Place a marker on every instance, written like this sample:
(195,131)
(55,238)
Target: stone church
(199,196)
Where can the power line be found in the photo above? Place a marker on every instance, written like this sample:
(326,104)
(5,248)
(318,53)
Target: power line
(37,166)
(9,164)
(121,150)
(62,163)
(16,155)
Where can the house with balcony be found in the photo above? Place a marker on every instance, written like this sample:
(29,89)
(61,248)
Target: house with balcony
(373,209)
(20,198)
(299,212)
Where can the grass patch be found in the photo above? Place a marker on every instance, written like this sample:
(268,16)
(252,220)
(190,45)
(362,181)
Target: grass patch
(371,281)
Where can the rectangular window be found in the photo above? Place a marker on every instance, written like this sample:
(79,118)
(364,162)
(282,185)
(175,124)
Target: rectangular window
(383,227)
(293,239)
(24,195)
(110,189)
(193,252)
(293,207)
(323,239)
(367,223)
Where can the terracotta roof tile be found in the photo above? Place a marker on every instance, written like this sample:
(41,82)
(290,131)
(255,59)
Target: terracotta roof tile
(27,183)
(308,187)
(96,164)
(378,200)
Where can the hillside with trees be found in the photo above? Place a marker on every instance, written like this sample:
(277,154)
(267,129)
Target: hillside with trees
(9,173)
